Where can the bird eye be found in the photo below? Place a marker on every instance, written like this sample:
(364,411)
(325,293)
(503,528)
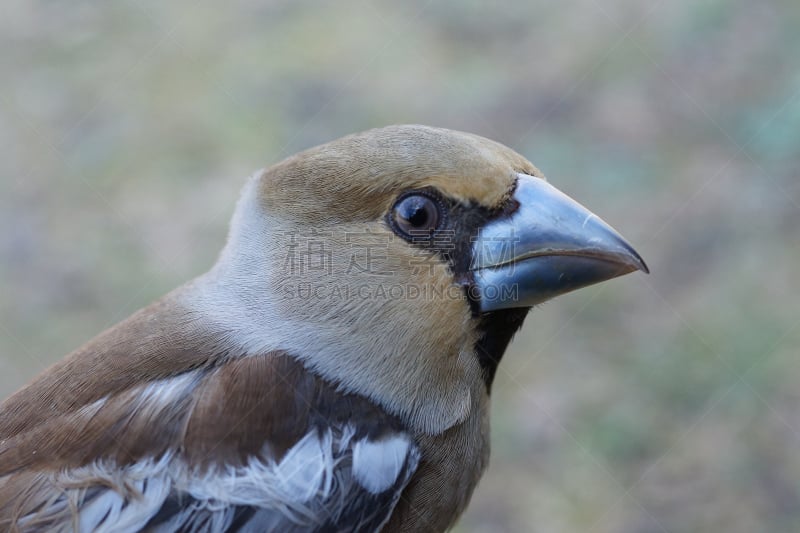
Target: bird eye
(416,215)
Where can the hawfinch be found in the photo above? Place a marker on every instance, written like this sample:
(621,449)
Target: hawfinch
(332,371)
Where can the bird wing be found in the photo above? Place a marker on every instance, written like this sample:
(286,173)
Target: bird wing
(252,443)
(309,490)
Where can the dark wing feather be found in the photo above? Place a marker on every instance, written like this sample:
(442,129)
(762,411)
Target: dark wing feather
(352,509)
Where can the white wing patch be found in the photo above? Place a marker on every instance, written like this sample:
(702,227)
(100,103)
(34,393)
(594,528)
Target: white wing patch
(304,475)
(166,392)
(141,490)
(307,469)
(376,464)
(114,512)
(315,483)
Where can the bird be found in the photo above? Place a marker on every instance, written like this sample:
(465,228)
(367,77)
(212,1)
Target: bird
(332,371)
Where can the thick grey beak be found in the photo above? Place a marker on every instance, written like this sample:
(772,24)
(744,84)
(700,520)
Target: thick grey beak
(549,246)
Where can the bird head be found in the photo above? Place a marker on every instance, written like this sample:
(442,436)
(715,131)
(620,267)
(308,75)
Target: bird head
(399,262)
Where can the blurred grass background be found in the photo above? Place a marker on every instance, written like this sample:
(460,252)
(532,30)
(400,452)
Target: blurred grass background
(663,403)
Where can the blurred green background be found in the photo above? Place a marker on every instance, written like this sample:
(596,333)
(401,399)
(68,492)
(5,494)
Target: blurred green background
(663,403)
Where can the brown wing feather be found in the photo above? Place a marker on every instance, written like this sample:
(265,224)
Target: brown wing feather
(218,413)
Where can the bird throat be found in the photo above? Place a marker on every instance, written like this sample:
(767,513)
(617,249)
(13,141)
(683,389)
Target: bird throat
(497,329)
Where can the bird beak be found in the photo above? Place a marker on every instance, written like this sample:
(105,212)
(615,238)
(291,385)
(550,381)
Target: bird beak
(548,246)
